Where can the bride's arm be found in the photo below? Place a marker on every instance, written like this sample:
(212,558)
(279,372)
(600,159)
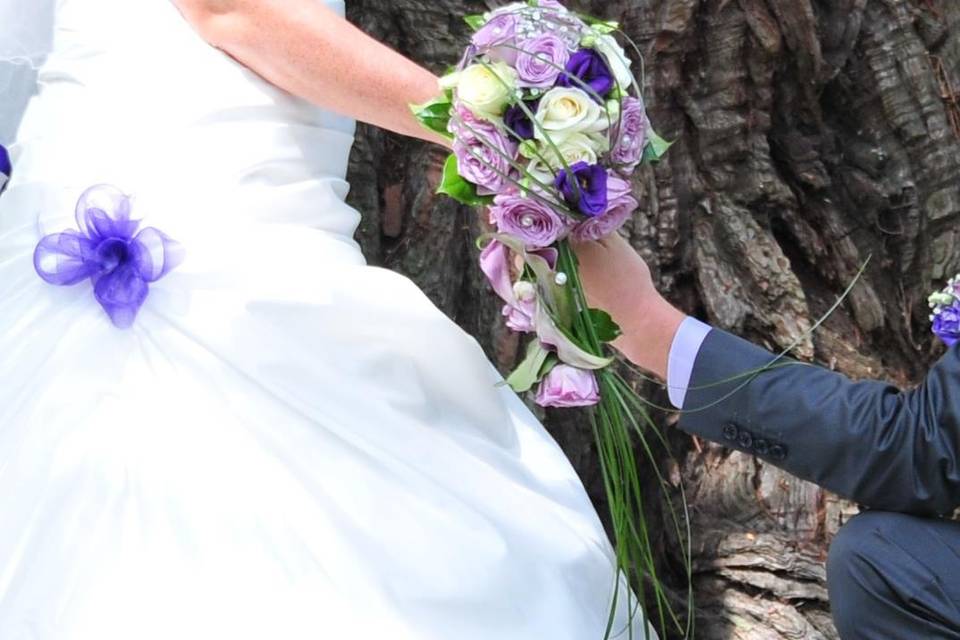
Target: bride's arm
(307,49)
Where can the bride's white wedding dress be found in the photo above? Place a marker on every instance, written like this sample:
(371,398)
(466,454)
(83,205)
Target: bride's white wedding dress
(287,444)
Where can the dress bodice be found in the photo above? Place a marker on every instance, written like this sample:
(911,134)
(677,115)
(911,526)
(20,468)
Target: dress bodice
(133,97)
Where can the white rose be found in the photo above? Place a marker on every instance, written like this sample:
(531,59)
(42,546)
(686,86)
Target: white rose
(486,89)
(617,58)
(564,111)
(575,148)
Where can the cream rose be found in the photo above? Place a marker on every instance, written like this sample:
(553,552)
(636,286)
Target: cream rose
(486,89)
(564,111)
(617,59)
(577,147)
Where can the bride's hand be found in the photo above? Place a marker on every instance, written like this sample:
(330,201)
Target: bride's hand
(616,279)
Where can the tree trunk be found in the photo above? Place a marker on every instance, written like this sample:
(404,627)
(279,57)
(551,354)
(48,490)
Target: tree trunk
(810,135)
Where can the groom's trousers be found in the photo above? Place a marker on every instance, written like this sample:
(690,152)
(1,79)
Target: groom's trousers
(894,571)
(896,576)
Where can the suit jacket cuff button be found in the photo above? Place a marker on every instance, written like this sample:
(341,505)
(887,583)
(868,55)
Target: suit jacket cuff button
(778,452)
(730,431)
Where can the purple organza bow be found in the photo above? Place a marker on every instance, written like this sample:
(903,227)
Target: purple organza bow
(5,168)
(121,265)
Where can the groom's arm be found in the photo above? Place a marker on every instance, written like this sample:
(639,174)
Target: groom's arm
(307,49)
(868,441)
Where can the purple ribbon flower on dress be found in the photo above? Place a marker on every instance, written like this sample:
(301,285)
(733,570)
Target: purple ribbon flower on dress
(120,265)
(6,169)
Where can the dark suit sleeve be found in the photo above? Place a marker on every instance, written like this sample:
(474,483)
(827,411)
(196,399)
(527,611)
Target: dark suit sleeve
(867,441)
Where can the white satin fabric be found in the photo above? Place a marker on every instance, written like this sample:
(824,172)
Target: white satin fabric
(288,444)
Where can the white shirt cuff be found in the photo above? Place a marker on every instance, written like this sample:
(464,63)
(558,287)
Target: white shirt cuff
(683,354)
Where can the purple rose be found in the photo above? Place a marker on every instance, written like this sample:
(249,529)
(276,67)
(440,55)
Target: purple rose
(536,224)
(519,125)
(621,206)
(946,324)
(591,69)
(498,38)
(483,153)
(628,150)
(584,187)
(541,60)
(567,386)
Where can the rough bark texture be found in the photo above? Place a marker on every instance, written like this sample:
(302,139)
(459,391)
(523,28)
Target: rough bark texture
(811,134)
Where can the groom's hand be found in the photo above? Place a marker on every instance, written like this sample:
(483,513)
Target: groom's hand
(617,280)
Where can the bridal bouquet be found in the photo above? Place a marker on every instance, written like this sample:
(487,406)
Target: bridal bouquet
(548,124)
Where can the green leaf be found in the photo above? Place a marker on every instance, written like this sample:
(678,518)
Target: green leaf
(567,349)
(475,21)
(656,148)
(548,364)
(607,330)
(527,372)
(603,27)
(606,28)
(434,115)
(459,189)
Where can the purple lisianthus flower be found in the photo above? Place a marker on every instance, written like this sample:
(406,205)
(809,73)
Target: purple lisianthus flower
(946,324)
(519,125)
(634,125)
(541,60)
(120,265)
(567,386)
(533,222)
(621,206)
(483,153)
(498,37)
(584,187)
(591,69)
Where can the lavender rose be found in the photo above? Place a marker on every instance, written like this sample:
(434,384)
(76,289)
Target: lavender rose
(567,386)
(498,38)
(634,125)
(584,187)
(946,324)
(589,67)
(621,206)
(536,224)
(483,152)
(541,60)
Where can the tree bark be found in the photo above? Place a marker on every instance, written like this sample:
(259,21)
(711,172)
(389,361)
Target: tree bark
(810,135)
